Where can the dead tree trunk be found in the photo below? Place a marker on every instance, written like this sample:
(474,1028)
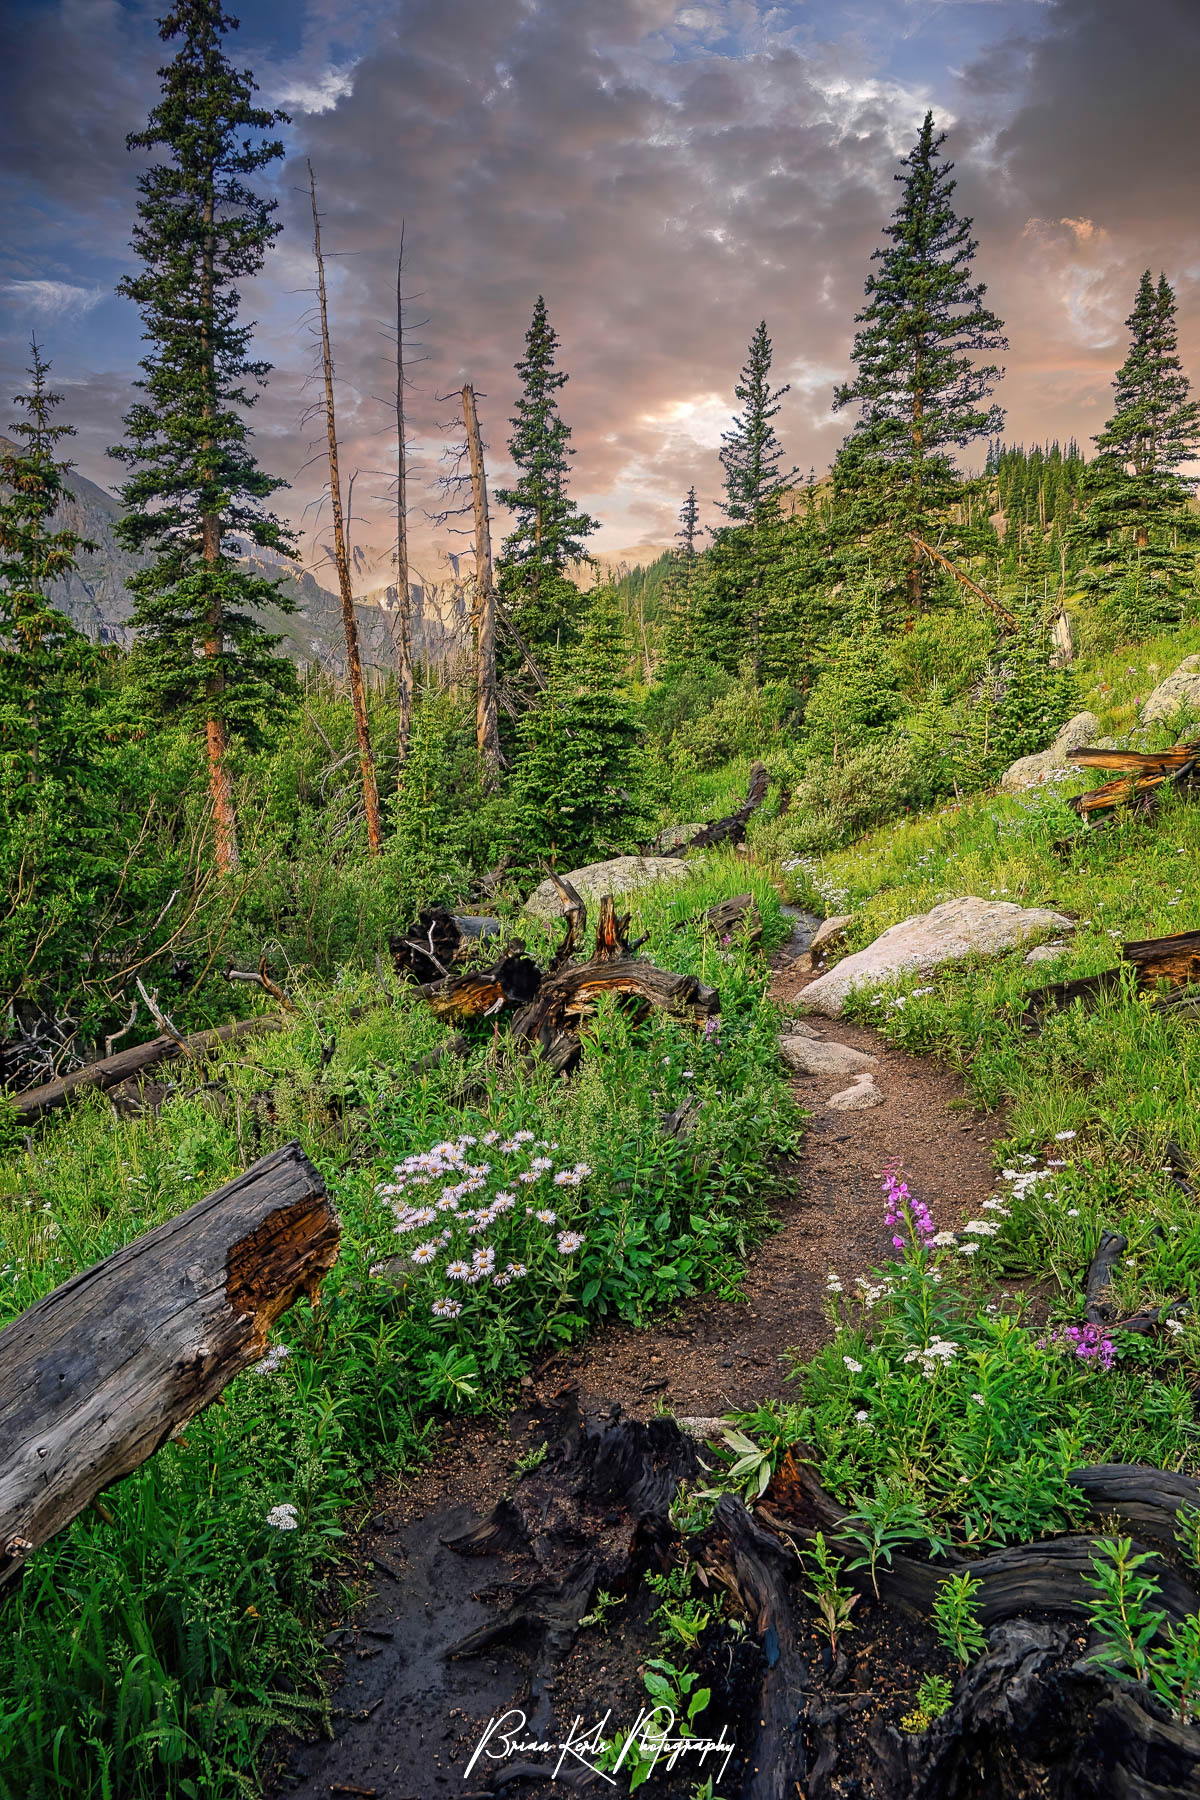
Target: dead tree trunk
(110,1071)
(487,730)
(402,631)
(942,561)
(358,698)
(95,1377)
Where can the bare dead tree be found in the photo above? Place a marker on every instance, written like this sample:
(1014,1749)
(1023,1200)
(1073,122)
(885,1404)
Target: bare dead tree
(402,630)
(353,658)
(487,731)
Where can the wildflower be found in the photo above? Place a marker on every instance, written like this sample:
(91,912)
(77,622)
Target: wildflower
(1175,1327)
(1072,1212)
(568,1242)
(276,1356)
(981,1227)
(446,1309)
(522,1137)
(376,1269)
(458,1271)
(996,1206)
(483,1260)
(978,1399)
(832,1284)
(943,1239)
(968,1249)
(489,1137)
(425,1253)
(515,1270)
(546,1217)
(863,1418)
(688,1075)
(540,1164)
(1063,1137)
(855,1368)
(283,1517)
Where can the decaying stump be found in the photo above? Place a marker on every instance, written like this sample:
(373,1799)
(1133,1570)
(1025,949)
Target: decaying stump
(439,941)
(1145,774)
(96,1377)
(735,918)
(732,828)
(552,1004)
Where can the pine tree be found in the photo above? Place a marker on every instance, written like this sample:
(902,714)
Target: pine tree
(195,496)
(550,531)
(1137,530)
(919,390)
(751,451)
(680,584)
(43,658)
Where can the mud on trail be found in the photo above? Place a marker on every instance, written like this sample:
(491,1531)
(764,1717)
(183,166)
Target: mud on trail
(407,1720)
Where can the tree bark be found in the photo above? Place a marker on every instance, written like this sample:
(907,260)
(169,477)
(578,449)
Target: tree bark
(402,634)
(353,659)
(487,730)
(95,1377)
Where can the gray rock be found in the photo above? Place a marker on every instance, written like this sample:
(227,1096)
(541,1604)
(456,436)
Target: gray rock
(813,1057)
(866,1092)
(956,928)
(801,1028)
(620,876)
(1182,689)
(1052,764)
(828,933)
(704,1429)
(1044,953)
(671,836)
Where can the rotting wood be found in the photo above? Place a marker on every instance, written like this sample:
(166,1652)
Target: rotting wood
(481,993)
(96,1376)
(1173,960)
(736,918)
(1134,761)
(437,941)
(110,1070)
(483,612)
(1146,772)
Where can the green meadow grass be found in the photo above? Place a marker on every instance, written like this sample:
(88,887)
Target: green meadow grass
(154,1645)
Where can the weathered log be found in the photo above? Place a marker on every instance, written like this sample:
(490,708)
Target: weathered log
(732,828)
(1174,960)
(1135,761)
(95,1377)
(735,918)
(111,1070)
(1112,1247)
(575,913)
(1139,791)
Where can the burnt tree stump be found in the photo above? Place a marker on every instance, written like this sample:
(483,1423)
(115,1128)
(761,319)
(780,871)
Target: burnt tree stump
(96,1377)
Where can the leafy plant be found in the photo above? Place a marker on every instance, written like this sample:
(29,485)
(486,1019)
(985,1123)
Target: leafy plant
(956,1620)
(932,1699)
(833,1602)
(602,1605)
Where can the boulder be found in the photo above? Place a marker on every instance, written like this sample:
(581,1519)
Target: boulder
(809,1056)
(1052,764)
(800,1028)
(828,933)
(864,1093)
(956,928)
(1044,953)
(621,876)
(1182,689)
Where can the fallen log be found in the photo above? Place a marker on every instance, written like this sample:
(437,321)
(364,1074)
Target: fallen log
(481,993)
(735,918)
(564,999)
(1138,791)
(1135,761)
(96,1377)
(732,828)
(1174,960)
(439,941)
(110,1070)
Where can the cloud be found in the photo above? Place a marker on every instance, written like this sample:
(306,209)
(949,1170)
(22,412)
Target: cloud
(50,299)
(312,93)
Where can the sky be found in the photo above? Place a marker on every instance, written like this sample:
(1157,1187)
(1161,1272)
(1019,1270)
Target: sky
(665,174)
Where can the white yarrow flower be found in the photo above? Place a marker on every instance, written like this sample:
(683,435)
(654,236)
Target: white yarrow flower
(283,1517)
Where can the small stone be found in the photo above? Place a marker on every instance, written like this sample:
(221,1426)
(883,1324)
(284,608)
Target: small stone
(809,1056)
(801,1028)
(1044,953)
(865,1093)
(828,933)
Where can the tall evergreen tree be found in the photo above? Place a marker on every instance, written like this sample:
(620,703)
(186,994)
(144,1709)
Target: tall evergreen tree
(1136,528)
(919,389)
(42,655)
(751,452)
(550,530)
(195,496)
(680,584)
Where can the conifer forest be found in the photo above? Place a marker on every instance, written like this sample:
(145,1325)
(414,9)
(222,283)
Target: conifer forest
(600,1147)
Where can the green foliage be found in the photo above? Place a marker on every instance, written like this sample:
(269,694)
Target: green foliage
(919,390)
(1023,702)
(550,531)
(1130,1627)
(932,1700)
(751,451)
(857,697)
(956,1620)
(833,1601)
(578,781)
(195,496)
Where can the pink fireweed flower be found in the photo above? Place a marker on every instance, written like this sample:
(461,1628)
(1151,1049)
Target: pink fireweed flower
(1091,1344)
(902,1210)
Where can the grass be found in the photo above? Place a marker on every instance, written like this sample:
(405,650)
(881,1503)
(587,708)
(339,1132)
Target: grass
(1092,1099)
(153,1646)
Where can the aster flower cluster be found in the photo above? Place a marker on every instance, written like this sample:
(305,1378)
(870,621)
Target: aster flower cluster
(428,1191)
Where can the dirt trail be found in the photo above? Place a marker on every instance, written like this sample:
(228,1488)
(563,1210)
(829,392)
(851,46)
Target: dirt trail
(406,1721)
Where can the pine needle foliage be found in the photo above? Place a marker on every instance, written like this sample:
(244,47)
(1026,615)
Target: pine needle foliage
(751,452)
(920,391)
(195,495)
(550,531)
